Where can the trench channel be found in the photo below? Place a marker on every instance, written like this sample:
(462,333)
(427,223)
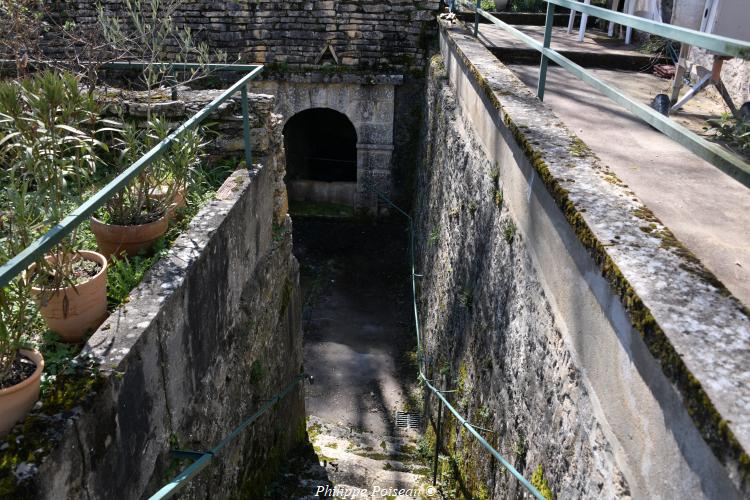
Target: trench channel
(359,346)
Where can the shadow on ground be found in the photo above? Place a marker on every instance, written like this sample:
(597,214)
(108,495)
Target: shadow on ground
(357,324)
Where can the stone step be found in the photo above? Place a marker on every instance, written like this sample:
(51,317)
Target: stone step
(351,463)
(358,459)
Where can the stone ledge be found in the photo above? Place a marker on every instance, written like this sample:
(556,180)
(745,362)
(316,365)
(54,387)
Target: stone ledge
(690,323)
(113,342)
(334,74)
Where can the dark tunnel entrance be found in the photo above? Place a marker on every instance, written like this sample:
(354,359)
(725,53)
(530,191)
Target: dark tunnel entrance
(321,157)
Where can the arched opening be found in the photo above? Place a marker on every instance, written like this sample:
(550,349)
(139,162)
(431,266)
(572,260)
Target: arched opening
(321,157)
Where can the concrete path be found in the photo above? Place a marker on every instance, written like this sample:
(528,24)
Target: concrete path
(597,49)
(706,209)
(594,42)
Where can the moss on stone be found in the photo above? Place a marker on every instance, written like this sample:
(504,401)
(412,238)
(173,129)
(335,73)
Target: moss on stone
(332,210)
(256,372)
(313,431)
(260,472)
(541,484)
(496,191)
(437,68)
(579,148)
(31,441)
(286,296)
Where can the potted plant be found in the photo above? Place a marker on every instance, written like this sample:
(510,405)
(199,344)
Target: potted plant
(76,303)
(49,153)
(182,164)
(20,367)
(134,218)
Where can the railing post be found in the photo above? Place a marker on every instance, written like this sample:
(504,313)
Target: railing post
(437,442)
(549,21)
(246,128)
(476,17)
(172,83)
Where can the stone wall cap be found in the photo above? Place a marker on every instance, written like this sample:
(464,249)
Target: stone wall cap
(302,76)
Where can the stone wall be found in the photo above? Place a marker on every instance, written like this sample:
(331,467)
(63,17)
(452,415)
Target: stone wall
(561,311)
(489,329)
(385,112)
(208,337)
(362,34)
(735,73)
(223,127)
(359,49)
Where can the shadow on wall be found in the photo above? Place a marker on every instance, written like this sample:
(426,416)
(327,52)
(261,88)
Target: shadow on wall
(321,156)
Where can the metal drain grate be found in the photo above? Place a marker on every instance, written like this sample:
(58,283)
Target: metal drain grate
(408,420)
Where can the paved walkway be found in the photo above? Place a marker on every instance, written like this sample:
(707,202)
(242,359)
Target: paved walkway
(356,321)
(706,209)
(594,41)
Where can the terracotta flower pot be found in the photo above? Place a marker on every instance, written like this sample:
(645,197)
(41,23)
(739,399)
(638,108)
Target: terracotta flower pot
(86,306)
(130,240)
(179,200)
(17,400)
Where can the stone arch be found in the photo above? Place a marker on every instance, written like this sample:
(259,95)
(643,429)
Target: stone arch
(321,157)
(321,144)
(352,114)
(370,109)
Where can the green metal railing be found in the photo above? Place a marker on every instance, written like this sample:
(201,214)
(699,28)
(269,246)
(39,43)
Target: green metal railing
(202,459)
(721,158)
(473,430)
(44,244)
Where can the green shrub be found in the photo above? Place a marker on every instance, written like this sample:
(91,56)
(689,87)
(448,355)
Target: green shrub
(734,132)
(528,6)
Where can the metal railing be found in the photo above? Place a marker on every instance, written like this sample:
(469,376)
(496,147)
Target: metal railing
(713,153)
(201,459)
(44,243)
(473,430)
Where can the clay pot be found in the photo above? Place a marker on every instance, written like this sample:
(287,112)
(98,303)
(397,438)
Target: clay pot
(130,240)
(86,306)
(17,400)
(500,5)
(179,201)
